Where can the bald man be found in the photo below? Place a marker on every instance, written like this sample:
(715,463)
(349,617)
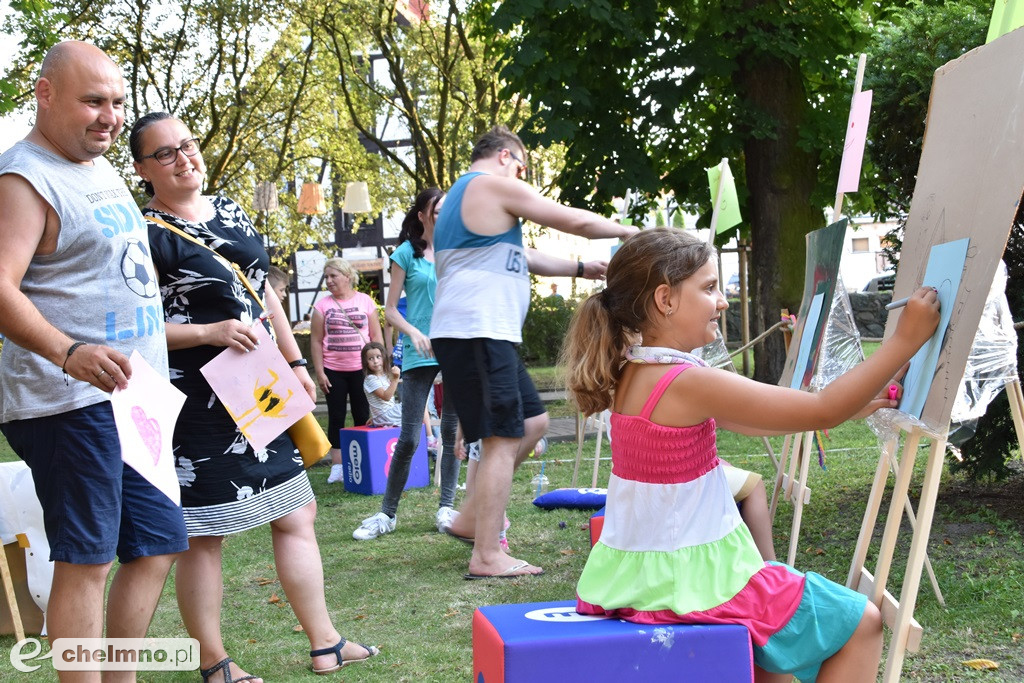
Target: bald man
(77,296)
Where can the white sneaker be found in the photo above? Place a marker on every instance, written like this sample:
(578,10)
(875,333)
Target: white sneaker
(337,474)
(375,526)
(445,517)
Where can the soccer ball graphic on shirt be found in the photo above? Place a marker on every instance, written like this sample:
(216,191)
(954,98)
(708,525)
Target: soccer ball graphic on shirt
(135,269)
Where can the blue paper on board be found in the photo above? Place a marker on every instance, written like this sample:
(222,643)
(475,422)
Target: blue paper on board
(821,273)
(944,270)
(807,340)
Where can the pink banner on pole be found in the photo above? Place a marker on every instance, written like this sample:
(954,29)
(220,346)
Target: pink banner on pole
(856,137)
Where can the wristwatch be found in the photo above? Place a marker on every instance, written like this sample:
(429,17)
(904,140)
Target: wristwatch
(298,363)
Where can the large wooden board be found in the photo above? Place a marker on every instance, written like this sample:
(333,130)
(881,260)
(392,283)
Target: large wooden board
(969,183)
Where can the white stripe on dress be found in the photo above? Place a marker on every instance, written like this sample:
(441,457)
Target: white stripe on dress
(251,512)
(656,517)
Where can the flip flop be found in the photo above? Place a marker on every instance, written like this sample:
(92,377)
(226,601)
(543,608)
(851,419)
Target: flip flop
(510,573)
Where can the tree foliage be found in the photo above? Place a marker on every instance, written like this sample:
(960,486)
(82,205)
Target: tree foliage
(909,44)
(646,94)
(286,92)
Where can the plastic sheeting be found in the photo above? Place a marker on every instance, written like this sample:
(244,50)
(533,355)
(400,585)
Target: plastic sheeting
(991,364)
(841,349)
(716,354)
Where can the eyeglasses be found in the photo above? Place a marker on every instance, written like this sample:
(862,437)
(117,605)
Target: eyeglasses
(521,170)
(166,156)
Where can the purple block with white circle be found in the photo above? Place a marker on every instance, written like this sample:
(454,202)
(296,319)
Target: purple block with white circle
(549,641)
(366,453)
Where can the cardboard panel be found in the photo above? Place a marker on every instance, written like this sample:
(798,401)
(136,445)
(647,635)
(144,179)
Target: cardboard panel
(968,185)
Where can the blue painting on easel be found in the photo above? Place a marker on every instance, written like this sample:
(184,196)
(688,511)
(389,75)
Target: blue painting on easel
(821,273)
(944,270)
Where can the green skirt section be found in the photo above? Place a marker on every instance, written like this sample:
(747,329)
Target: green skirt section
(691,579)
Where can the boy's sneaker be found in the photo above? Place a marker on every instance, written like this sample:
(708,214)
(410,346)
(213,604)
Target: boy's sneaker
(372,527)
(337,474)
(445,517)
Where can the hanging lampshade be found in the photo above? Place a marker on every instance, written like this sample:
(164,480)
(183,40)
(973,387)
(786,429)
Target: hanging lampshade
(357,198)
(311,199)
(265,196)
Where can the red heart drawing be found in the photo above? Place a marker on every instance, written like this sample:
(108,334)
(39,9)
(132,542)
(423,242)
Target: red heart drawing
(149,430)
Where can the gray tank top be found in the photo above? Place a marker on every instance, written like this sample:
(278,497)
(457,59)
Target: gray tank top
(99,285)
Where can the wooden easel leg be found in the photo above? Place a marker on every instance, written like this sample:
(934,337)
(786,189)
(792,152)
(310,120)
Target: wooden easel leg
(794,460)
(597,451)
(581,429)
(780,470)
(771,452)
(796,495)
(1016,398)
(915,561)
(892,522)
(909,508)
(867,526)
(12,599)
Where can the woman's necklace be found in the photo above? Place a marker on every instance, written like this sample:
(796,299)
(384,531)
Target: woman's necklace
(661,354)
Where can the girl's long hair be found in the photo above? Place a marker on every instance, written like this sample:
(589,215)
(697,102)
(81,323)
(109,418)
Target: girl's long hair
(385,368)
(412,226)
(607,323)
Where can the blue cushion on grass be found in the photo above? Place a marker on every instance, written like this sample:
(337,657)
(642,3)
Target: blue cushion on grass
(584,499)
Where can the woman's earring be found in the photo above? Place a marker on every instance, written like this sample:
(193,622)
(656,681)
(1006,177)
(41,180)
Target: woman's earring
(668,312)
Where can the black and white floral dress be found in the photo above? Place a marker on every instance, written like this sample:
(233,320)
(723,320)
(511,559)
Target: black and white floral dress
(226,487)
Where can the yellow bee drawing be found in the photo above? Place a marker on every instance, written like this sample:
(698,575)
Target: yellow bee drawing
(268,404)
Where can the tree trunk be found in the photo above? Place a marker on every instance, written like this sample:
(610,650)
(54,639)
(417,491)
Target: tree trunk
(780,177)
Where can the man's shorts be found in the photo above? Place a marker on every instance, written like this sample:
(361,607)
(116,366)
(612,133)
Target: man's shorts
(492,391)
(94,505)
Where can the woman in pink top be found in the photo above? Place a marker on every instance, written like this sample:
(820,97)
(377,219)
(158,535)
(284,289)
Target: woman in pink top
(342,324)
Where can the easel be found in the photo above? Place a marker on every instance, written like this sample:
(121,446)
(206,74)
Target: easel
(860,578)
(974,106)
(791,486)
(581,429)
(12,600)
(906,630)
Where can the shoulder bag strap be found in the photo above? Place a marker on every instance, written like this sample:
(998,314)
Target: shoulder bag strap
(238,271)
(358,330)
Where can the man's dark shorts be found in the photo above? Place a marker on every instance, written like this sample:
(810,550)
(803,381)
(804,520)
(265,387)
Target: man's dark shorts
(94,505)
(493,391)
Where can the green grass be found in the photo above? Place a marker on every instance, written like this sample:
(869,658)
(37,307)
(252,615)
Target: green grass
(405,591)
(547,378)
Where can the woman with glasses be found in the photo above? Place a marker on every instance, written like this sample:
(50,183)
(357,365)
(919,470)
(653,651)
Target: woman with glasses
(226,486)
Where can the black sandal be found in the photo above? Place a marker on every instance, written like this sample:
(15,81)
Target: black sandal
(225,665)
(336,650)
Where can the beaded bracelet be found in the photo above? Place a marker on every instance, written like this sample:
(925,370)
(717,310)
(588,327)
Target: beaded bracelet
(71,350)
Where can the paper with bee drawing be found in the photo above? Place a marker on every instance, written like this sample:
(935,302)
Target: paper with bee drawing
(258,389)
(145,414)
